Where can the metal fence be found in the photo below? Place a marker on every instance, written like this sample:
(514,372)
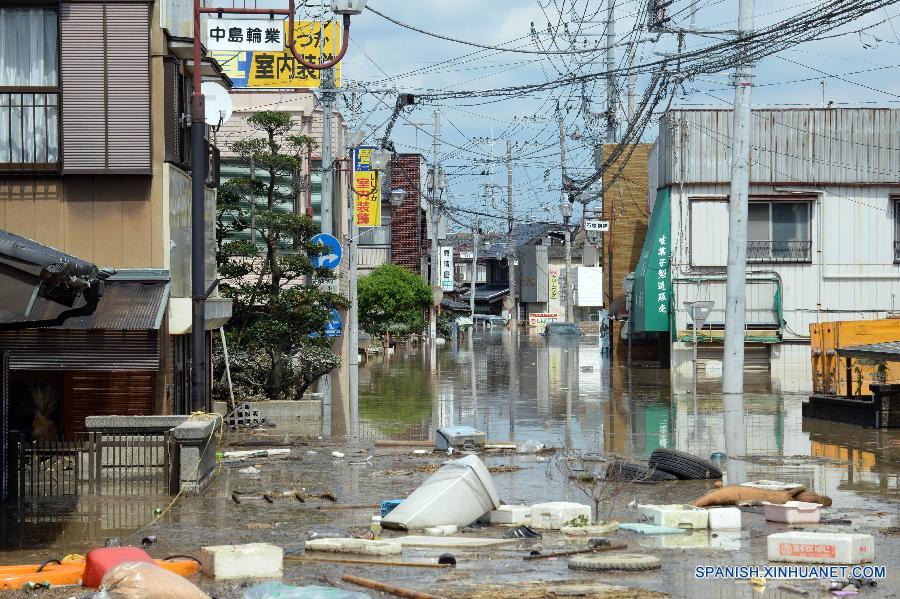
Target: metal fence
(97,464)
(779,251)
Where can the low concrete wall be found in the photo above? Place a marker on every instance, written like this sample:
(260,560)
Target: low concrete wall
(302,418)
(194,452)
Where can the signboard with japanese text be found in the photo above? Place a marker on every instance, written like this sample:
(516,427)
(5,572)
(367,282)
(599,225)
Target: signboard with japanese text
(652,280)
(553,283)
(596,225)
(366,196)
(279,69)
(447,268)
(256,35)
(539,320)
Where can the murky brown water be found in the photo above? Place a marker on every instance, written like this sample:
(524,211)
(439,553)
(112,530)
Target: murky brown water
(556,393)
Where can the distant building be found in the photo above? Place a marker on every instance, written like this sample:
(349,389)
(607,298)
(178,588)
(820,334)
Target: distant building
(823,229)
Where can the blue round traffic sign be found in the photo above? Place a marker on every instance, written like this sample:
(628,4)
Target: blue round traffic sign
(332,258)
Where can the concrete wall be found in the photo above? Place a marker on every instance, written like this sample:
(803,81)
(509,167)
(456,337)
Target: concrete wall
(303,418)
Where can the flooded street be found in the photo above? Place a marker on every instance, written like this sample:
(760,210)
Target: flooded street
(560,394)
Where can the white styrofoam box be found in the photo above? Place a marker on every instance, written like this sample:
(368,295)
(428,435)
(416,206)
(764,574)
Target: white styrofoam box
(696,539)
(793,512)
(674,516)
(724,518)
(510,514)
(771,485)
(821,547)
(556,514)
(253,560)
(361,546)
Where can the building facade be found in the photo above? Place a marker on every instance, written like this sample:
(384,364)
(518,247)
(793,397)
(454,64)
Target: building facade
(94,162)
(823,226)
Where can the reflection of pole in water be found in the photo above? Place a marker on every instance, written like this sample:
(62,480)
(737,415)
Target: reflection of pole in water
(513,380)
(473,375)
(570,382)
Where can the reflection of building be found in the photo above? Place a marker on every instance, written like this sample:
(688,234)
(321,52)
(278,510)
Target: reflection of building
(94,161)
(823,225)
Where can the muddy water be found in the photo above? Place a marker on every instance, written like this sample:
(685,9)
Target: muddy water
(514,389)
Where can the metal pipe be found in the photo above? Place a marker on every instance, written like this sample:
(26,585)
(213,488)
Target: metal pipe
(735,290)
(199,400)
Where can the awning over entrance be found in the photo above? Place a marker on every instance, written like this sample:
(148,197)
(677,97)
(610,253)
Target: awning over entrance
(121,334)
(486,293)
(652,279)
(887,352)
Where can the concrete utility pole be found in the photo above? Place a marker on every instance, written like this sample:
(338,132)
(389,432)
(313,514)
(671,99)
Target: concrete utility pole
(328,98)
(735,301)
(199,363)
(437,185)
(631,84)
(474,277)
(564,206)
(612,125)
(510,242)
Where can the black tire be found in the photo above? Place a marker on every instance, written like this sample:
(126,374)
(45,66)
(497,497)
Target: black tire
(637,473)
(683,465)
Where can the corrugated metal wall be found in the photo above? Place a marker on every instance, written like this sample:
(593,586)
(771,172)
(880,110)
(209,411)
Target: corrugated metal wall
(807,145)
(105,66)
(42,349)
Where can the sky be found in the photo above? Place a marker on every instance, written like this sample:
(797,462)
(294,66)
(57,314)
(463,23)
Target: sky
(859,68)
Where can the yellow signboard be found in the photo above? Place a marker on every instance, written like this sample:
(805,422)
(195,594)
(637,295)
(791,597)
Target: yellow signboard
(367,196)
(261,70)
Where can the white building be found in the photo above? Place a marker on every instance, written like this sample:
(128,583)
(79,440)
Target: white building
(823,227)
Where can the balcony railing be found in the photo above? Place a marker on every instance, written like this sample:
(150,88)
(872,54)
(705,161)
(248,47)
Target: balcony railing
(779,251)
(29,131)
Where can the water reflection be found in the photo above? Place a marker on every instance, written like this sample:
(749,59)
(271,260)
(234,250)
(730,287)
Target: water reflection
(562,392)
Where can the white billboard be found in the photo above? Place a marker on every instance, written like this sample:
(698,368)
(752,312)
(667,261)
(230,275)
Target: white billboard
(245,35)
(588,286)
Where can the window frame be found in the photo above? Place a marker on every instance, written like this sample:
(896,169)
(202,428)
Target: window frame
(39,167)
(895,203)
(772,257)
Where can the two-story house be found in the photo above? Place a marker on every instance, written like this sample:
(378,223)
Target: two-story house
(94,161)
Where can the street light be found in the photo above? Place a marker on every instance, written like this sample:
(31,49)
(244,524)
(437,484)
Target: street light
(566,209)
(397,197)
(355,139)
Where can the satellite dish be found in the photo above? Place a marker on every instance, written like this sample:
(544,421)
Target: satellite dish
(218,103)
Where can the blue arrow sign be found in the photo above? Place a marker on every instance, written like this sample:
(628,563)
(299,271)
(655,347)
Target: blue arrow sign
(332,258)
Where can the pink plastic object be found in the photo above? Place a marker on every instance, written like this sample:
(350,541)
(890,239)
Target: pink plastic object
(100,561)
(792,512)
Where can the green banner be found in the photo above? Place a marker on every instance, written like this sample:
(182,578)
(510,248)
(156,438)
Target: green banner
(652,299)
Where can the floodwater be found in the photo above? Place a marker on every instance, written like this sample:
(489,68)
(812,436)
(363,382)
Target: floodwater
(516,388)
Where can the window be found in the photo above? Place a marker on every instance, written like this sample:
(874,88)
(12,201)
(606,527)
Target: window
(29,89)
(897,230)
(464,272)
(778,232)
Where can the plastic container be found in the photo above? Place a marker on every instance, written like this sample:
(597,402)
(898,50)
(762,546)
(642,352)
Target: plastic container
(724,518)
(792,512)
(388,504)
(459,437)
(675,516)
(556,514)
(821,547)
(100,561)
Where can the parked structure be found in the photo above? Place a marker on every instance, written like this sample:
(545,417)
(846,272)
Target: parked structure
(95,164)
(824,227)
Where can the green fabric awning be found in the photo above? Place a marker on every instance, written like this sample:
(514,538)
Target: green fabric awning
(652,301)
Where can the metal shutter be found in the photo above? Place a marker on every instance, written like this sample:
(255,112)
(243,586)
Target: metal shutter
(128,93)
(105,67)
(51,349)
(82,67)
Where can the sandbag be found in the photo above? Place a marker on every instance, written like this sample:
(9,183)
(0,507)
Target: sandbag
(140,580)
(813,497)
(735,494)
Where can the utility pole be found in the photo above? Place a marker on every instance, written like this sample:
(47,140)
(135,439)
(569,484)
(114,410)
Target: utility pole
(327,219)
(437,186)
(510,243)
(735,301)
(612,126)
(564,206)
(199,363)
(474,277)
(631,84)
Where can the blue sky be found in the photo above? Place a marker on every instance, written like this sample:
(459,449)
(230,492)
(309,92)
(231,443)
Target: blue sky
(858,69)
